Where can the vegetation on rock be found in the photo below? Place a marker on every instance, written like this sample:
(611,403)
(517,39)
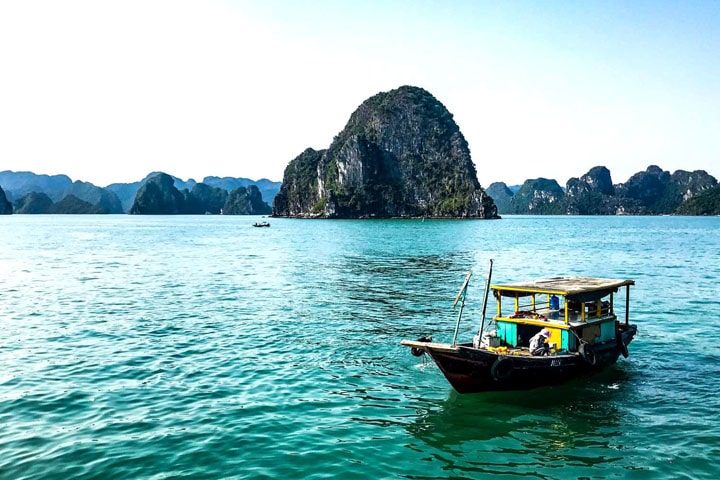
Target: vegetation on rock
(73,205)
(704,203)
(591,194)
(246,201)
(541,197)
(300,191)
(33,203)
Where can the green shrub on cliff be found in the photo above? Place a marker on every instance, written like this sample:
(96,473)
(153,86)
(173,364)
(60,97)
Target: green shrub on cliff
(705,203)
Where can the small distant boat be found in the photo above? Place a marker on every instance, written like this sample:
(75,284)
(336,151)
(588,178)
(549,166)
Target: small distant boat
(575,315)
(261,224)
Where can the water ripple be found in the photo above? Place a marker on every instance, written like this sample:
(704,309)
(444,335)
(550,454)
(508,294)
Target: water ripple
(175,347)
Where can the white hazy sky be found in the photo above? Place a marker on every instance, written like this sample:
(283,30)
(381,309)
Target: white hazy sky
(108,91)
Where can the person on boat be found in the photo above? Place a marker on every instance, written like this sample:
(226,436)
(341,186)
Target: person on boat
(538,343)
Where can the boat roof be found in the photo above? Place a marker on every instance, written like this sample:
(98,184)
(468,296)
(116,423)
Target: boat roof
(567,286)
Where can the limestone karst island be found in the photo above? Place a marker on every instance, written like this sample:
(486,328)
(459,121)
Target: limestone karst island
(401,154)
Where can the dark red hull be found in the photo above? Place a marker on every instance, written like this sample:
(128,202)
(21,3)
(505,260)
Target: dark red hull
(471,370)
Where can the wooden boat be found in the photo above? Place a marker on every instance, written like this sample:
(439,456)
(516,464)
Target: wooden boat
(585,335)
(261,224)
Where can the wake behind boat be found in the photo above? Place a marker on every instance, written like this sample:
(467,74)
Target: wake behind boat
(545,332)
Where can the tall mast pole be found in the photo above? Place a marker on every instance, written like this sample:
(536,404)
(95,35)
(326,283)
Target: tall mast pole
(485,298)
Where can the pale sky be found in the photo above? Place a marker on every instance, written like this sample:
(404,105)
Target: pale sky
(109,91)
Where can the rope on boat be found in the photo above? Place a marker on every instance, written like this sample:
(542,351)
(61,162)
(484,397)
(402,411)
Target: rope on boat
(460,296)
(485,297)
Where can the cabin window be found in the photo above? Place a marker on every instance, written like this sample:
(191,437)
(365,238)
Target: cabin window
(525,333)
(519,335)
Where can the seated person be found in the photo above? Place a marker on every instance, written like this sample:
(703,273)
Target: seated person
(538,343)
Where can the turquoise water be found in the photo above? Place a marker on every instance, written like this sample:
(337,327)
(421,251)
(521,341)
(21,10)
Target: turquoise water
(200,347)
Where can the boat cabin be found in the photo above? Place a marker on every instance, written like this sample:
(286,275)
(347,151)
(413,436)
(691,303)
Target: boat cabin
(571,308)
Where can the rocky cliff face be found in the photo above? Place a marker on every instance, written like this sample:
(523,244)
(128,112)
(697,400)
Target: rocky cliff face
(539,196)
(501,195)
(33,203)
(267,188)
(591,194)
(691,184)
(707,202)
(648,192)
(6,207)
(206,199)
(246,201)
(300,194)
(160,196)
(105,200)
(127,192)
(71,204)
(656,191)
(400,155)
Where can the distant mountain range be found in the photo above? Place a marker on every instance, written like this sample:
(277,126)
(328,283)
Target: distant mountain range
(29,192)
(160,196)
(652,192)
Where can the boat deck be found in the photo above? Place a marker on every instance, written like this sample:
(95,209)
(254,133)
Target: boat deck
(449,348)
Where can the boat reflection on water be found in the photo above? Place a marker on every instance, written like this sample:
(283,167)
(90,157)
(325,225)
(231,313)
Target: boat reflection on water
(576,426)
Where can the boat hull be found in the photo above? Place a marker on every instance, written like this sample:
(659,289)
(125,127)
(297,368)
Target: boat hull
(472,370)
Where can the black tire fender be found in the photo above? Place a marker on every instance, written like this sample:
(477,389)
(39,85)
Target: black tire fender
(588,354)
(417,351)
(622,347)
(502,369)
